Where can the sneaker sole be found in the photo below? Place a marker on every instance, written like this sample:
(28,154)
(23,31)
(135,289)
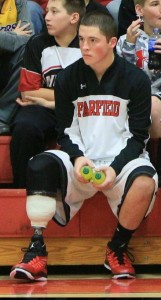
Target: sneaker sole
(117,276)
(23,274)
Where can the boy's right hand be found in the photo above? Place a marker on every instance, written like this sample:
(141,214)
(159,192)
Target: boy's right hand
(78,164)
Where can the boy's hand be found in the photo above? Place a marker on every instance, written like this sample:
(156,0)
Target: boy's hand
(78,164)
(157,46)
(30,100)
(109,173)
(109,180)
(21,30)
(133,32)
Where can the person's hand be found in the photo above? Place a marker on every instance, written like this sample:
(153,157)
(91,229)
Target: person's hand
(109,173)
(133,31)
(109,180)
(78,164)
(22,30)
(30,100)
(157,46)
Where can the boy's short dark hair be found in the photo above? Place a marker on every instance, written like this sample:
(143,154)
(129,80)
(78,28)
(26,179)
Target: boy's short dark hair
(72,6)
(102,20)
(140,2)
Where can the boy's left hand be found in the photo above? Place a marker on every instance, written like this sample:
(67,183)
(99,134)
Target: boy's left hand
(109,180)
(133,32)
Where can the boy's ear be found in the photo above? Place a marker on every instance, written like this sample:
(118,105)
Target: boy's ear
(113,42)
(74,18)
(138,9)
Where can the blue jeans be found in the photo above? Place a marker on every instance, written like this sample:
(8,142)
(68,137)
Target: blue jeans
(36,13)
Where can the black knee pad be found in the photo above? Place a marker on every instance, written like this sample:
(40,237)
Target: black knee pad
(46,174)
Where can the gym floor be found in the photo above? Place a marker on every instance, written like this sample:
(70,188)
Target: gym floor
(85,283)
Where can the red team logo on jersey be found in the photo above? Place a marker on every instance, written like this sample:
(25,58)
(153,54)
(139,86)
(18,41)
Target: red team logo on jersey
(98,108)
(140,59)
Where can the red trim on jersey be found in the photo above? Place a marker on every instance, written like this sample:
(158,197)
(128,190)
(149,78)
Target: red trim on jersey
(52,68)
(29,81)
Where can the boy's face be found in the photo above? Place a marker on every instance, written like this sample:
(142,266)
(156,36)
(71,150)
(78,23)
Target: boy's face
(57,19)
(95,48)
(152,13)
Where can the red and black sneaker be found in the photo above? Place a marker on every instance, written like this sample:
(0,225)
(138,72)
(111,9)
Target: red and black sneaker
(119,263)
(33,265)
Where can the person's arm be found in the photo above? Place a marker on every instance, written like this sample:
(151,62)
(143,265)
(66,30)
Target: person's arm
(65,115)
(139,120)
(31,81)
(10,40)
(126,45)
(31,100)
(126,50)
(45,93)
